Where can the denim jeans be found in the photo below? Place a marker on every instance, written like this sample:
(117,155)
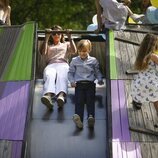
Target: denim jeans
(85,94)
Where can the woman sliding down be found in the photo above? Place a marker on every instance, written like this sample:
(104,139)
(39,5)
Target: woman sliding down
(113,15)
(55,75)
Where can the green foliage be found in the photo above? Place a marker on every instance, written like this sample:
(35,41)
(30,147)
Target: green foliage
(74,14)
(67,13)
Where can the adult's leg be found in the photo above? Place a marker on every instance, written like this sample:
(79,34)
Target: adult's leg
(62,78)
(61,82)
(156,106)
(49,86)
(49,79)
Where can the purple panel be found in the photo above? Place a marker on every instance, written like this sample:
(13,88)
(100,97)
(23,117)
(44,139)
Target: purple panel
(16,149)
(13,109)
(116,122)
(123,112)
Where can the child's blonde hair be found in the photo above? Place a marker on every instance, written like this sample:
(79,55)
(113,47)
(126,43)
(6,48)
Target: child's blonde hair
(148,46)
(84,44)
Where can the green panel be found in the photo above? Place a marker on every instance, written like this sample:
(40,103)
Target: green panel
(20,65)
(113,71)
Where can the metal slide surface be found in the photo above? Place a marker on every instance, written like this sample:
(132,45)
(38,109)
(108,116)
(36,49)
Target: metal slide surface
(54,135)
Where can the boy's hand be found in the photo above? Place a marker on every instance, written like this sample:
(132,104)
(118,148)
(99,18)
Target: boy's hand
(73,84)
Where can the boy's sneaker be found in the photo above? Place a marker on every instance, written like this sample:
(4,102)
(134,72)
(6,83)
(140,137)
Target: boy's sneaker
(47,101)
(77,121)
(91,121)
(60,101)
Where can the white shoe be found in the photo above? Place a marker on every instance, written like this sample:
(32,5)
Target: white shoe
(47,101)
(77,121)
(60,101)
(91,121)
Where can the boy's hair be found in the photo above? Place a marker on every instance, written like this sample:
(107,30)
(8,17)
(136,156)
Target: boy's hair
(148,46)
(84,44)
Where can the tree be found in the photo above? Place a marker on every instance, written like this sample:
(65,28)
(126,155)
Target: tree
(69,14)
(76,15)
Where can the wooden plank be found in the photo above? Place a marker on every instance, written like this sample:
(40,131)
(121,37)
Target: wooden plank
(146,150)
(10,149)
(154,149)
(119,65)
(125,56)
(5,149)
(147,115)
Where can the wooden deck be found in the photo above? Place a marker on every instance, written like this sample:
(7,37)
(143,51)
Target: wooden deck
(134,132)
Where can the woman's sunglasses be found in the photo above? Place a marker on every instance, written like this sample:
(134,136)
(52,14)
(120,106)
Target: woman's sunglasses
(56,34)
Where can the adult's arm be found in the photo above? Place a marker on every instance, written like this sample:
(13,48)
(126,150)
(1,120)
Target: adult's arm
(44,47)
(73,48)
(99,14)
(154,58)
(8,21)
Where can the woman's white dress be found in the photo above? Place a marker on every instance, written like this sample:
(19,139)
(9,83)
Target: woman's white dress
(144,87)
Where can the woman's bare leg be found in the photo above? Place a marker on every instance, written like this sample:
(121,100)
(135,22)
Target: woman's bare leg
(156,106)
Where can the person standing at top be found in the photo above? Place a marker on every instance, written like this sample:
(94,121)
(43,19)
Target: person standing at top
(144,87)
(83,71)
(55,75)
(113,15)
(5,11)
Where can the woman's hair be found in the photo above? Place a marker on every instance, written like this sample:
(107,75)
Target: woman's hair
(5,2)
(84,44)
(148,46)
(57,27)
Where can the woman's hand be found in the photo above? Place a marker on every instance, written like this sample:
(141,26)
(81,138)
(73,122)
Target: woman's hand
(47,34)
(68,33)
